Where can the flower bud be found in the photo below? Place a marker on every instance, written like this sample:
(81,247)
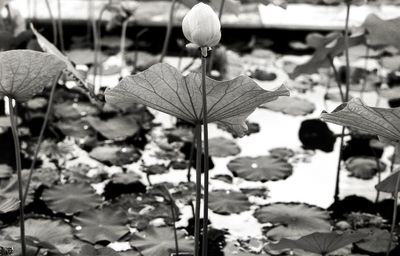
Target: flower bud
(201,26)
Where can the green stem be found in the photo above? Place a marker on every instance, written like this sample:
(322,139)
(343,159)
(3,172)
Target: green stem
(346,51)
(14,128)
(169,30)
(205,130)
(335,72)
(53,22)
(396,196)
(60,26)
(173,218)
(191,159)
(198,191)
(41,134)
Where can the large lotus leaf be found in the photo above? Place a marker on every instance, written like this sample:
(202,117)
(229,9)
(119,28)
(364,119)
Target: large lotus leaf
(320,58)
(293,220)
(24,73)
(54,235)
(380,121)
(159,241)
(364,167)
(117,127)
(107,224)
(71,198)
(262,168)
(8,204)
(376,242)
(382,32)
(320,243)
(50,48)
(227,202)
(292,106)
(222,147)
(162,87)
(388,185)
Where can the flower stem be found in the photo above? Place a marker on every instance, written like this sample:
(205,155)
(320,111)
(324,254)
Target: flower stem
(14,128)
(198,190)
(335,72)
(41,134)
(205,130)
(396,196)
(53,22)
(173,219)
(189,177)
(346,51)
(169,30)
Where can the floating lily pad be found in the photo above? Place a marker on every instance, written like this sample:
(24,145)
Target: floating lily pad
(90,250)
(155,169)
(25,73)
(320,243)
(53,235)
(291,105)
(73,110)
(262,168)
(364,167)
(125,178)
(293,220)
(101,225)
(8,204)
(284,153)
(221,147)
(376,242)
(156,241)
(75,128)
(228,202)
(71,198)
(115,155)
(117,127)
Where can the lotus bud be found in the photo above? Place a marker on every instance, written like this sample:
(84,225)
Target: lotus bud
(201,27)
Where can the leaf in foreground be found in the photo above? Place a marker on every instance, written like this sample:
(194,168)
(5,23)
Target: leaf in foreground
(163,88)
(383,122)
(156,241)
(293,220)
(24,73)
(321,243)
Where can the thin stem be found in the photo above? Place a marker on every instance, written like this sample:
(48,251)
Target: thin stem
(41,134)
(14,128)
(123,43)
(173,217)
(60,26)
(95,42)
(337,78)
(169,30)
(365,68)
(396,196)
(53,22)
(346,51)
(337,185)
(198,191)
(191,159)
(205,130)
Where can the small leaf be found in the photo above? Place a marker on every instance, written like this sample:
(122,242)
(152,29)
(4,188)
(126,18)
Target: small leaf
(382,32)
(228,202)
(115,155)
(262,168)
(293,106)
(117,127)
(160,242)
(162,87)
(320,243)
(293,220)
(71,198)
(379,121)
(221,147)
(388,185)
(24,73)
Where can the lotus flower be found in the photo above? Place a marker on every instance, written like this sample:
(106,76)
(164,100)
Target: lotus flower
(24,73)
(201,26)
(163,88)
